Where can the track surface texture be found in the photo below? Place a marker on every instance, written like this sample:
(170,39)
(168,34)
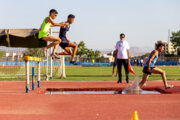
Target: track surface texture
(15,104)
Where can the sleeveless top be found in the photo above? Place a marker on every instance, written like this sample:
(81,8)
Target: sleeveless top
(152,62)
(63,31)
(44,29)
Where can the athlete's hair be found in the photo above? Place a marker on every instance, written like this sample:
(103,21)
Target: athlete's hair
(122,34)
(71,16)
(159,45)
(53,11)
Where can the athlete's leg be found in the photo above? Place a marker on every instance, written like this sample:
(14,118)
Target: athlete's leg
(144,79)
(163,74)
(55,42)
(117,71)
(54,51)
(67,51)
(113,69)
(74,46)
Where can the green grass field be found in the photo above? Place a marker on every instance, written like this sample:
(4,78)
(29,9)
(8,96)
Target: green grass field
(92,73)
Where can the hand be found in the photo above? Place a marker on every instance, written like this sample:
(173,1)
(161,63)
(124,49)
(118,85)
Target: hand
(62,24)
(149,69)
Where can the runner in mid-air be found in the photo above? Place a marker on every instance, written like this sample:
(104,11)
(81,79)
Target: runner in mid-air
(150,68)
(66,44)
(43,32)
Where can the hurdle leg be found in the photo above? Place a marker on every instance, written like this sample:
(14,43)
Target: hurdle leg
(27,75)
(38,74)
(33,78)
(47,62)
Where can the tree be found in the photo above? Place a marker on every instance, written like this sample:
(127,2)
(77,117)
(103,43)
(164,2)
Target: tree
(100,59)
(178,51)
(97,53)
(175,39)
(90,53)
(81,49)
(36,52)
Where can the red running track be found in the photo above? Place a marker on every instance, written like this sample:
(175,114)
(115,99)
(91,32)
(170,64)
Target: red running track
(15,104)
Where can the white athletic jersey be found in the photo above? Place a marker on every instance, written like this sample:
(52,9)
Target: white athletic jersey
(122,47)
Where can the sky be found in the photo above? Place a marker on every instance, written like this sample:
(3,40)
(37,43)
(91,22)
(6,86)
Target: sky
(99,22)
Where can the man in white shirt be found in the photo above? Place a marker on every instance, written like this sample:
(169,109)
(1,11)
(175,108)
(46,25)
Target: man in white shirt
(123,57)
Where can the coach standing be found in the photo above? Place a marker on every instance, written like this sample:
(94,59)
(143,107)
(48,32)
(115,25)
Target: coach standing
(123,57)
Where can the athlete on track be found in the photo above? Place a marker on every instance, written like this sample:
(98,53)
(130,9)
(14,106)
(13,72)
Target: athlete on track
(150,68)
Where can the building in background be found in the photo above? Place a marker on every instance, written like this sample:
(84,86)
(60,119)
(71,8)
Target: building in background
(108,56)
(168,48)
(13,54)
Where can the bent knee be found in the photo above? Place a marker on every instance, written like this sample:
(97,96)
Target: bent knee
(58,39)
(162,72)
(70,53)
(75,46)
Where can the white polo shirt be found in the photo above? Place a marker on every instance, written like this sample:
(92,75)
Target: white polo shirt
(122,46)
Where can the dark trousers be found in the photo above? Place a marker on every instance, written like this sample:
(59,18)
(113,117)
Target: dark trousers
(124,62)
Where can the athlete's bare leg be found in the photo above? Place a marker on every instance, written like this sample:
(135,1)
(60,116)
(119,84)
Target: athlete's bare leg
(156,71)
(74,46)
(144,79)
(163,74)
(55,42)
(113,71)
(68,51)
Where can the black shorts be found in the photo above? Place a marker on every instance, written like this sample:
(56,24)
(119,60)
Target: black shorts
(64,44)
(40,39)
(145,70)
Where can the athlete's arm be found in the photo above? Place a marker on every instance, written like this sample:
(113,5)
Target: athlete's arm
(153,54)
(62,24)
(52,23)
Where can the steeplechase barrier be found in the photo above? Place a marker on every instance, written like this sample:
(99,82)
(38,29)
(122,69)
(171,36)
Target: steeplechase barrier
(27,59)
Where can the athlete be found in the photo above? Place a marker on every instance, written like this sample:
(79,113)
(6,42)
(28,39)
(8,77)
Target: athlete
(114,64)
(66,44)
(43,32)
(150,68)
